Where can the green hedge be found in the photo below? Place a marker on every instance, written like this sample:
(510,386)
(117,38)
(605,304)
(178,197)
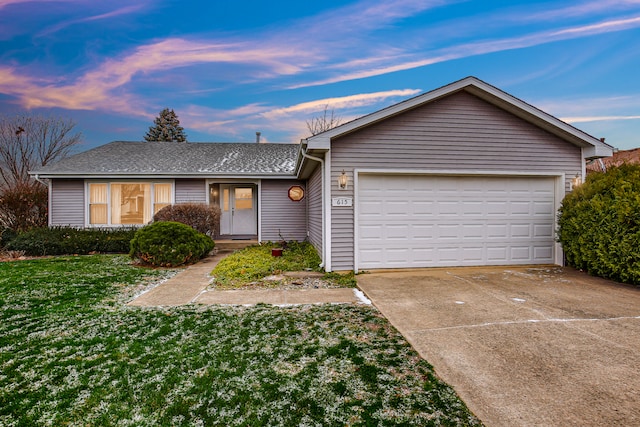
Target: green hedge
(169,244)
(599,225)
(71,241)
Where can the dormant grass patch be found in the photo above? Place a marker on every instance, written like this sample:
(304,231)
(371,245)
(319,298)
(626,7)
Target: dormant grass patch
(72,353)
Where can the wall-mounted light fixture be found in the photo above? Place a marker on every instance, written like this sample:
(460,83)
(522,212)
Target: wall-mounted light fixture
(343,180)
(575,182)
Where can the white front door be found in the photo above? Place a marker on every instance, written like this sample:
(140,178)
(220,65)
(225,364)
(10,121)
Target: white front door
(239,212)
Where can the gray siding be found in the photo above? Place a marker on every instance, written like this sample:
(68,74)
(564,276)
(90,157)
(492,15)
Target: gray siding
(191,191)
(314,207)
(280,215)
(67,202)
(459,132)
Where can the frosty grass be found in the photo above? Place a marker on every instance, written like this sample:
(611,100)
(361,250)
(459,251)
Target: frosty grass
(72,353)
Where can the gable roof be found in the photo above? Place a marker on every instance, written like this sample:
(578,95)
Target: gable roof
(592,146)
(177,159)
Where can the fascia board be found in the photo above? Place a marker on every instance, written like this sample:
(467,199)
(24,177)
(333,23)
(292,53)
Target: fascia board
(155,176)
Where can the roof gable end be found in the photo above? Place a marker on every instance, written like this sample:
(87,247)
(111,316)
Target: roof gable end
(592,146)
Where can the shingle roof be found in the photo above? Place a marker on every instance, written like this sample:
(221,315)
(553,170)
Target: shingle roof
(178,158)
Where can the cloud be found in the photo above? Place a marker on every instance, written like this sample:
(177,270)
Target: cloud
(108,15)
(598,119)
(5,3)
(248,119)
(338,103)
(580,9)
(481,48)
(101,88)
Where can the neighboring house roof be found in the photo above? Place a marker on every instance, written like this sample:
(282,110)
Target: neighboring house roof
(618,158)
(592,146)
(183,159)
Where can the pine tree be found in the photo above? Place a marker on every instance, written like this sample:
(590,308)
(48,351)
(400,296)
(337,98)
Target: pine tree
(167,128)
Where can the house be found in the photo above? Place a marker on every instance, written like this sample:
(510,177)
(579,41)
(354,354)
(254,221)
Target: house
(460,176)
(619,158)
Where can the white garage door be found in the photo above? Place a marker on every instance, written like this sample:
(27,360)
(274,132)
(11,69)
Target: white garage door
(431,221)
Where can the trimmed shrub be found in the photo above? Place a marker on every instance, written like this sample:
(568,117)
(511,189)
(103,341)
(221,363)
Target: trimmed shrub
(203,218)
(599,225)
(71,241)
(169,244)
(6,235)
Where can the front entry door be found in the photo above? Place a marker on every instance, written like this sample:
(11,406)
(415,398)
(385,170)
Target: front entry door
(239,212)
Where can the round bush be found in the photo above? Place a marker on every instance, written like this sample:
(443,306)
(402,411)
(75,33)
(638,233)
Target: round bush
(599,225)
(169,244)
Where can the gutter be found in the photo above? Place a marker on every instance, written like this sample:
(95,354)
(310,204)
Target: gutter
(324,231)
(37,178)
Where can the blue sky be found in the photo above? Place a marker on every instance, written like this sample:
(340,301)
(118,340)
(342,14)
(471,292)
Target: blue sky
(231,68)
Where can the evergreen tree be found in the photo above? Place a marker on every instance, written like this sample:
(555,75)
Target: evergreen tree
(166,128)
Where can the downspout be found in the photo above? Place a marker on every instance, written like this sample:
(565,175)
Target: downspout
(321,161)
(48,185)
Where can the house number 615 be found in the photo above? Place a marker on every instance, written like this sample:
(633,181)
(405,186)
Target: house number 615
(342,201)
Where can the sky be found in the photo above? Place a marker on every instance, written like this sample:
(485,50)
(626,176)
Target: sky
(232,68)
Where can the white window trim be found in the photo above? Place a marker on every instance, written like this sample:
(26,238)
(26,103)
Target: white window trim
(87,198)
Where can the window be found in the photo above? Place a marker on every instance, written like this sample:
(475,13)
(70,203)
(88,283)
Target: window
(98,204)
(127,203)
(162,197)
(243,198)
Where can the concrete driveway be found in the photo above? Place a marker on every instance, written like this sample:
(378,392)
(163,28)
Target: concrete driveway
(522,346)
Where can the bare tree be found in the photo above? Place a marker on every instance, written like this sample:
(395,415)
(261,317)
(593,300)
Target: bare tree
(29,141)
(328,120)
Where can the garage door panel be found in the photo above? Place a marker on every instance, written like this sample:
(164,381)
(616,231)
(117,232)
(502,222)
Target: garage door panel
(543,230)
(423,221)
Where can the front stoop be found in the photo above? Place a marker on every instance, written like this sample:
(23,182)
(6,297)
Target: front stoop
(227,246)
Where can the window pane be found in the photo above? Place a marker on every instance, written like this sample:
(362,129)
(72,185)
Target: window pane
(158,206)
(225,200)
(130,203)
(162,193)
(98,204)
(97,193)
(98,214)
(244,198)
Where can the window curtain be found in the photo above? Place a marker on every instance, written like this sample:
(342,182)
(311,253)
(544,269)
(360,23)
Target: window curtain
(116,203)
(162,193)
(98,204)
(146,202)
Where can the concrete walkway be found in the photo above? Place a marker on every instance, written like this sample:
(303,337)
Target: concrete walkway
(190,287)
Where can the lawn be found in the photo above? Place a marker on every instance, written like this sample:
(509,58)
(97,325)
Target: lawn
(72,353)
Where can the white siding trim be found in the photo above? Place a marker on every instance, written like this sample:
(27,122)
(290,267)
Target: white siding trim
(327,212)
(259,213)
(49,203)
(584,166)
(356,214)
(558,184)
(454,172)
(560,193)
